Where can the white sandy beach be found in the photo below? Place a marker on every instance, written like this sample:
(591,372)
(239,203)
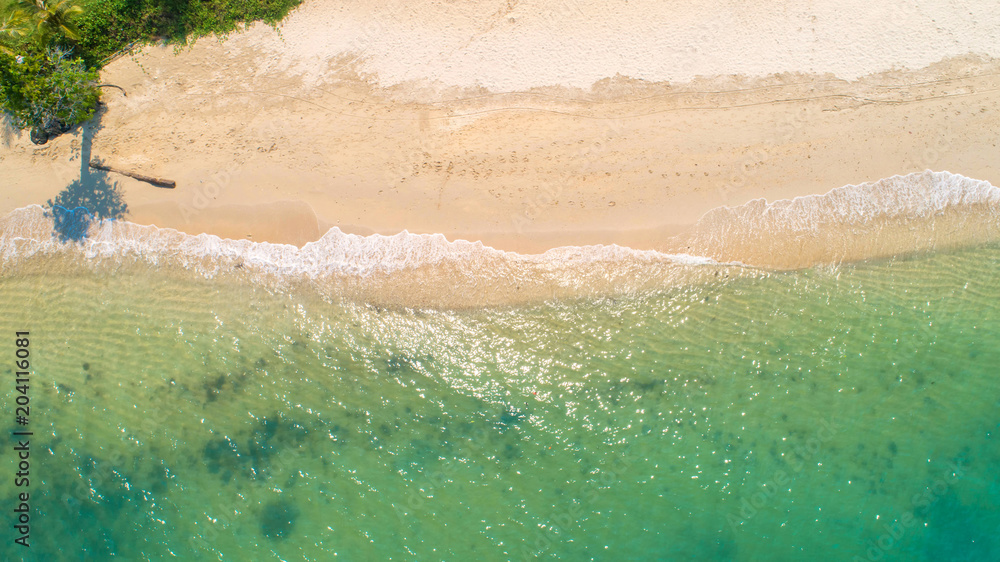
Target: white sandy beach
(530,125)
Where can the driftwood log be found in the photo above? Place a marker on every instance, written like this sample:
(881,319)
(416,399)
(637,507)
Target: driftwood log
(159,182)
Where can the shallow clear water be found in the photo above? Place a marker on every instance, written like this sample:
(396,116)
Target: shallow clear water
(828,413)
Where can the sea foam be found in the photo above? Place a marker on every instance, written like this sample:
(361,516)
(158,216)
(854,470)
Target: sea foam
(893,216)
(897,215)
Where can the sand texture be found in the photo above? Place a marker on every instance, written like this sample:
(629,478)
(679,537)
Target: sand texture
(531,125)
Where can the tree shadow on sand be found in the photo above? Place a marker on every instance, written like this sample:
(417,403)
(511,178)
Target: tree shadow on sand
(92,198)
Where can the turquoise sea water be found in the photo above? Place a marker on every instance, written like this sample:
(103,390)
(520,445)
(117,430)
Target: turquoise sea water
(830,413)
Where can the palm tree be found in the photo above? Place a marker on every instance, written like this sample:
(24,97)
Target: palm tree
(50,17)
(12,26)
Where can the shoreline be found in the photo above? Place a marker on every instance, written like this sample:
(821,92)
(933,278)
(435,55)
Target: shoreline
(900,216)
(589,174)
(265,147)
(581,178)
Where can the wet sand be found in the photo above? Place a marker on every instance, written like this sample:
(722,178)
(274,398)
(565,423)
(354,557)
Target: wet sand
(278,137)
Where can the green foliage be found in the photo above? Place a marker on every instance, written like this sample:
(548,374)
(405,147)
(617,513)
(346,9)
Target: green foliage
(50,20)
(99,28)
(43,89)
(47,92)
(107,26)
(13,30)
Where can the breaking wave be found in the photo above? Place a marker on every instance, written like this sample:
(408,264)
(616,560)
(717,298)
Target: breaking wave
(405,269)
(893,216)
(925,211)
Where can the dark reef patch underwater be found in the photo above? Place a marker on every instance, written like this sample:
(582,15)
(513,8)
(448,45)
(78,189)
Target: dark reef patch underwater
(842,413)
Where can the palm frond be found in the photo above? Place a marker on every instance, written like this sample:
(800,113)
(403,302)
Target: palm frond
(51,16)
(13,25)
